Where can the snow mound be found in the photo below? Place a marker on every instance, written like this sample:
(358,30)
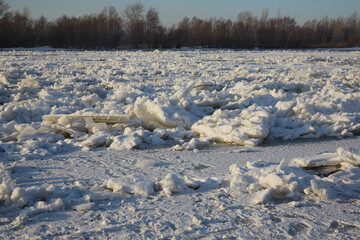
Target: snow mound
(246,127)
(89,106)
(131,184)
(193,144)
(172,183)
(313,176)
(39,199)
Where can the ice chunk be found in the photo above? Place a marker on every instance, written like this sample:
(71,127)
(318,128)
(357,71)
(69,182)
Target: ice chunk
(132,184)
(97,140)
(91,100)
(264,196)
(161,113)
(247,127)
(172,184)
(351,156)
(267,182)
(182,92)
(42,206)
(275,186)
(12,195)
(26,111)
(84,206)
(95,127)
(284,108)
(27,133)
(320,189)
(95,118)
(125,142)
(7,187)
(324,159)
(194,143)
(202,183)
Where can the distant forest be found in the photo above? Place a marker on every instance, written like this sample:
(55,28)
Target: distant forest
(136,27)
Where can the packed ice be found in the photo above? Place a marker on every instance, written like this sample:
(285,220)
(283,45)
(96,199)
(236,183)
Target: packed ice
(175,102)
(324,176)
(220,96)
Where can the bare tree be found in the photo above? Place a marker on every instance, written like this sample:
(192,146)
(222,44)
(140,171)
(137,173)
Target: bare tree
(182,33)
(262,30)
(115,24)
(219,32)
(244,30)
(351,29)
(105,30)
(40,29)
(3,7)
(135,23)
(109,25)
(153,27)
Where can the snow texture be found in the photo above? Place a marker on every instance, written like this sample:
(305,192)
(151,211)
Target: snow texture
(183,144)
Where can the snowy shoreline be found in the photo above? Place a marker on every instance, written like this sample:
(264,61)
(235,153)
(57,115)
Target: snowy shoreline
(210,193)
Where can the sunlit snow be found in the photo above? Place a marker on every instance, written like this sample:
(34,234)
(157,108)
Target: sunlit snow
(179,143)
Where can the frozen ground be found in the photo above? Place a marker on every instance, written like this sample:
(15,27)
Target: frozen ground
(179,144)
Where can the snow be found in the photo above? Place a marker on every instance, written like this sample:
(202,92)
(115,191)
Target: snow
(132,184)
(179,144)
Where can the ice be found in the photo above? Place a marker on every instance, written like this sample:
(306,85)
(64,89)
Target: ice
(351,156)
(203,184)
(138,146)
(284,108)
(171,184)
(247,127)
(13,196)
(27,132)
(131,184)
(83,207)
(194,143)
(231,103)
(6,188)
(125,142)
(158,113)
(325,159)
(95,118)
(97,140)
(269,183)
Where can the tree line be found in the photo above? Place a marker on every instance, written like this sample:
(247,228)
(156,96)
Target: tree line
(137,28)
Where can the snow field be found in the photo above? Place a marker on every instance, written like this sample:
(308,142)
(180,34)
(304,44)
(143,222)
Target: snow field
(59,104)
(147,98)
(222,192)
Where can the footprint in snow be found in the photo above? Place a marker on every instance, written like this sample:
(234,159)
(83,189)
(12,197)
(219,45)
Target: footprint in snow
(297,228)
(339,226)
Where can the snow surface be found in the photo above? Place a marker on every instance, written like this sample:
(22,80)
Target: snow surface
(96,144)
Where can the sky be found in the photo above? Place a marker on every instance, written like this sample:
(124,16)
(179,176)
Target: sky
(172,12)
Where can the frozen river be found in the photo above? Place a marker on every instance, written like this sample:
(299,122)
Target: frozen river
(183,144)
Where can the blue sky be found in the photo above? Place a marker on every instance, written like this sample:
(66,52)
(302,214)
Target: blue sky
(173,11)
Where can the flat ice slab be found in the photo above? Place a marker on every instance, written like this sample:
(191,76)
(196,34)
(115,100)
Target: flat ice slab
(95,118)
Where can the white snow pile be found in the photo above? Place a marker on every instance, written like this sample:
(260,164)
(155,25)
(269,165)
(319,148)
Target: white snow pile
(324,177)
(171,184)
(247,127)
(131,184)
(38,199)
(137,99)
(193,144)
(174,184)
